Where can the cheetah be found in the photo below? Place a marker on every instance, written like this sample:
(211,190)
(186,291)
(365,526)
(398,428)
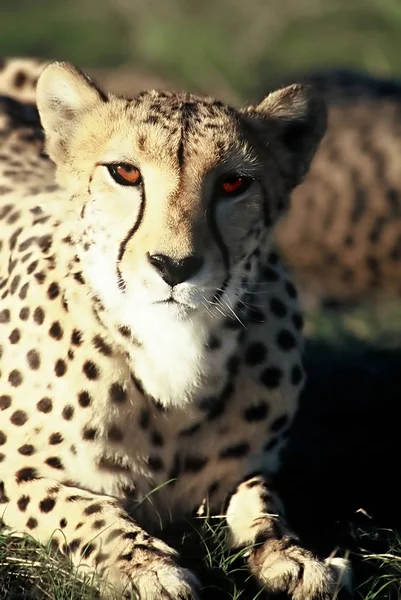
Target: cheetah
(150,339)
(342,236)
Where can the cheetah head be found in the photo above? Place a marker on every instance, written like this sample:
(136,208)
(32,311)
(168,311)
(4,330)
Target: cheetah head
(174,194)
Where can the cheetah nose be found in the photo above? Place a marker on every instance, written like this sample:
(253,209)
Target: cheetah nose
(175,271)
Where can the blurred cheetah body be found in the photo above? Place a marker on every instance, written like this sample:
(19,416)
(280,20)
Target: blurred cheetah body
(342,236)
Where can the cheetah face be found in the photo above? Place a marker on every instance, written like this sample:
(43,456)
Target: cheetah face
(174,194)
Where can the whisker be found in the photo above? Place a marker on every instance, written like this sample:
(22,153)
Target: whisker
(207,307)
(233,311)
(219,309)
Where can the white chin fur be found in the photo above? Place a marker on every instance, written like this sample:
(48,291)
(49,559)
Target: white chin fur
(172,356)
(171,360)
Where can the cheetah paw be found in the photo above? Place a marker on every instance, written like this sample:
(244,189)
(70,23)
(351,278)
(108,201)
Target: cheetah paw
(150,574)
(284,567)
(166,582)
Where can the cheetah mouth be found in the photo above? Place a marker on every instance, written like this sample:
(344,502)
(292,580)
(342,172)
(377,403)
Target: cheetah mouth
(170,300)
(178,305)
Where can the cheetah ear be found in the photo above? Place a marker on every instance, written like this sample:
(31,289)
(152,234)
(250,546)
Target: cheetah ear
(292,121)
(63,94)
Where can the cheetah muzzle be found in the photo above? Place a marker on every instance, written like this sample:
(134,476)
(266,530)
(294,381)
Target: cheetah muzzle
(150,338)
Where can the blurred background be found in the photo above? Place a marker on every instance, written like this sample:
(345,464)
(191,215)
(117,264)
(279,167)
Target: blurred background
(230,48)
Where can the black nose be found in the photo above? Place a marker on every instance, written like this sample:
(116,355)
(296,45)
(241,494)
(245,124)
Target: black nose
(175,271)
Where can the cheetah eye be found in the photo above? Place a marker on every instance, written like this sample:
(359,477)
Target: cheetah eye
(233,185)
(125,174)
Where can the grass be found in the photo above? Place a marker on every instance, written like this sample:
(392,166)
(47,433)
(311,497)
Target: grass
(385,564)
(29,571)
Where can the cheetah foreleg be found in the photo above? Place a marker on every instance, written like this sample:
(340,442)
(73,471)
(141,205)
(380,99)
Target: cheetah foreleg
(98,536)
(255,518)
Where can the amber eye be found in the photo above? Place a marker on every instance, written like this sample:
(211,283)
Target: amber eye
(233,185)
(125,174)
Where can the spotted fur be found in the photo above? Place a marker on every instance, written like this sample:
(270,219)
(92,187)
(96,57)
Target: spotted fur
(149,337)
